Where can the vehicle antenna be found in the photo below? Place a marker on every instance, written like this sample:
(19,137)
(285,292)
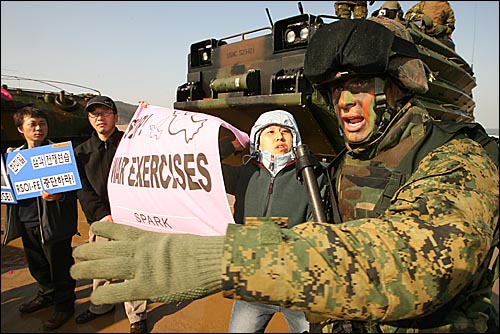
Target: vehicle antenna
(269,16)
(474,37)
(48,82)
(301,9)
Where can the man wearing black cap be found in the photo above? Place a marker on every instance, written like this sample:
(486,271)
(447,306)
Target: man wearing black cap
(94,158)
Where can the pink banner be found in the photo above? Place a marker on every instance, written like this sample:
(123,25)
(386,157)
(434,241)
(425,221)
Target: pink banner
(166,174)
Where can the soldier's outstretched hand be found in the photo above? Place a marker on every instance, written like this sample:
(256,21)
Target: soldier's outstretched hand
(160,267)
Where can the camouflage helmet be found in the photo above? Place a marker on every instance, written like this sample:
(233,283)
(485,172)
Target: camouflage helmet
(376,46)
(392,10)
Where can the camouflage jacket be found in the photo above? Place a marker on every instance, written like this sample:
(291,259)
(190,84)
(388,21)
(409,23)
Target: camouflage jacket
(439,11)
(413,261)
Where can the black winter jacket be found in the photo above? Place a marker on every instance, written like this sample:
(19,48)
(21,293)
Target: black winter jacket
(94,158)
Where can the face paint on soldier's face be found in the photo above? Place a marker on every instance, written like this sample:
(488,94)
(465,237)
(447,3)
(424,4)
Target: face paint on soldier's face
(354,102)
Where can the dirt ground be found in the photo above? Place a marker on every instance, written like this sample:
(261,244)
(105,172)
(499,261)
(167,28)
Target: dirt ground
(207,315)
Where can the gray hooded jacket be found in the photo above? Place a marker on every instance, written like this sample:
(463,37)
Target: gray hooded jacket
(266,185)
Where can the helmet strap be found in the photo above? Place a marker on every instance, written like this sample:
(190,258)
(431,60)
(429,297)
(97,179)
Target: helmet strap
(383,113)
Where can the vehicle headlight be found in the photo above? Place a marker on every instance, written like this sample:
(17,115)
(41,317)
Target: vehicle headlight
(290,36)
(204,55)
(304,32)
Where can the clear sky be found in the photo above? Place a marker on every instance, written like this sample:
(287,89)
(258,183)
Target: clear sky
(133,50)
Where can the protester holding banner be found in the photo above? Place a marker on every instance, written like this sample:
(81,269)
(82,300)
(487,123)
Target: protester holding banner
(271,165)
(46,225)
(94,158)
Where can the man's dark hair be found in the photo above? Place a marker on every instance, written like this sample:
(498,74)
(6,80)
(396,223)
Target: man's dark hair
(29,111)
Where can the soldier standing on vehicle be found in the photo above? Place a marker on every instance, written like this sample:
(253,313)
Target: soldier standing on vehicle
(418,200)
(358,9)
(94,158)
(436,18)
(391,10)
(46,225)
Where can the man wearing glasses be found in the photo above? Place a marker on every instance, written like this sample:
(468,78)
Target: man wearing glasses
(94,158)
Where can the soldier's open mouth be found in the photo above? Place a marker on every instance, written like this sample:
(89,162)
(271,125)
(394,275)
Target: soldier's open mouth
(353,123)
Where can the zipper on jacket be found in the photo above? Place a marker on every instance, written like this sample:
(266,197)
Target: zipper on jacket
(268,197)
(38,202)
(271,184)
(271,165)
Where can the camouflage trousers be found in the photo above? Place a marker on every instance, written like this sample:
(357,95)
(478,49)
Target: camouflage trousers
(344,11)
(460,324)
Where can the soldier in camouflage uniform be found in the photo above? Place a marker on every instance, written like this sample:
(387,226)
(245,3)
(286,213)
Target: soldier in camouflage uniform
(436,18)
(418,201)
(343,9)
(390,9)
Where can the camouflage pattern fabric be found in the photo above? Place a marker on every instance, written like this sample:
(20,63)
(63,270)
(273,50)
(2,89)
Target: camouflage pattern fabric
(439,12)
(405,265)
(344,9)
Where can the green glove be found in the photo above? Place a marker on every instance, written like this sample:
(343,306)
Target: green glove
(439,30)
(160,267)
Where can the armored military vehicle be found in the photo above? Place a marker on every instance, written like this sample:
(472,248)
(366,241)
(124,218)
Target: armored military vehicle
(65,111)
(238,77)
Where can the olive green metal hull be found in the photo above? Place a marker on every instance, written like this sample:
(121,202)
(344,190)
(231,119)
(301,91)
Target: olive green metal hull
(66,115)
